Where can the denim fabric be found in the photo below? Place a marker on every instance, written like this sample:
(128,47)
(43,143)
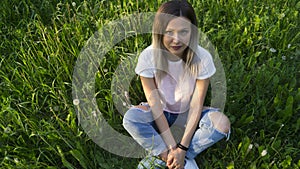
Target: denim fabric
(141,126)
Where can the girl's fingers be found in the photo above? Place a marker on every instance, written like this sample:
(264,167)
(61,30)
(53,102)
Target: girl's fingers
(170,161)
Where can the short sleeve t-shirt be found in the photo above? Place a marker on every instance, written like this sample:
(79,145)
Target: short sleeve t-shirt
(176,86)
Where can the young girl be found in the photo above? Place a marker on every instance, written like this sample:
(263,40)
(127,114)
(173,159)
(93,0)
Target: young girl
(175,73)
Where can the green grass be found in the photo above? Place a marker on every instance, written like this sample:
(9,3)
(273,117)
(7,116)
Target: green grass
(258,43)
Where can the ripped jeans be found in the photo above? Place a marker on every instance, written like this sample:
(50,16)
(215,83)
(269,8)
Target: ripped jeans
(140,125)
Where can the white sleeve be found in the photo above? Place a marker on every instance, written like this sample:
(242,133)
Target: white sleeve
(145,66)
(207,66)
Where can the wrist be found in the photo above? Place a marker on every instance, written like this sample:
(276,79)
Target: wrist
(182,147)
(181,152)
(172,148)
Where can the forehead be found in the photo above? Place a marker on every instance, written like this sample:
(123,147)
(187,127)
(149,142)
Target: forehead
(179,23)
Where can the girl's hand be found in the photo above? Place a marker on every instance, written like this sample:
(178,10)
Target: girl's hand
(176,158)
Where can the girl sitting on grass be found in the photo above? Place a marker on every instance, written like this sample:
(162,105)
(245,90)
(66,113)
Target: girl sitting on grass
(175,71)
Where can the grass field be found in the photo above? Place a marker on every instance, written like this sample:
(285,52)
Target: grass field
(258,43)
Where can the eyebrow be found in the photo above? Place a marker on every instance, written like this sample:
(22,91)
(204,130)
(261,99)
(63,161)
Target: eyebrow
(171,29)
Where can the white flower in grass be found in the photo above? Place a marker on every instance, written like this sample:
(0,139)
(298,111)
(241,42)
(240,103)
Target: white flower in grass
(250,146)
(289,46)
(76,102)
(105,70)
(94,113)
(273,50)
(264,153)
(124,104)
(283,57)
(74,4)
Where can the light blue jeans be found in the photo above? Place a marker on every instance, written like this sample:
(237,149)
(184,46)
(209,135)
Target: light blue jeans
(141,126)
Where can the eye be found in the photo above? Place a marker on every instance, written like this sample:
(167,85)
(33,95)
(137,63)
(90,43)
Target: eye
(169,33)
(184,32)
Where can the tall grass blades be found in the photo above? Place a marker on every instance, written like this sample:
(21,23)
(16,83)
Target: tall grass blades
(258,43)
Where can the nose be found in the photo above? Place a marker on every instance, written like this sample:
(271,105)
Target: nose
(176,38)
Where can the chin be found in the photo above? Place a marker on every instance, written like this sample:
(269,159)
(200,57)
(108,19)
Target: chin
(177,53)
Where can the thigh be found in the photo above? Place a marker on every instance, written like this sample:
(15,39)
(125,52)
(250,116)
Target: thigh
(182,118)
(138,114)
(142,114)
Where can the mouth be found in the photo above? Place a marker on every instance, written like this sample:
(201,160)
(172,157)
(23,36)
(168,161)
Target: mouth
(175,47)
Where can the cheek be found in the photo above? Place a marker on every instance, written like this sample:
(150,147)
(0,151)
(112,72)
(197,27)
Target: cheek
(187,39)
(166,41)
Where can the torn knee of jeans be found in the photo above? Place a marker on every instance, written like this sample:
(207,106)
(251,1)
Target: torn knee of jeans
(220,121)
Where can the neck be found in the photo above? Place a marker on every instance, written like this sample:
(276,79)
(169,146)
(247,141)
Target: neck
(173,58)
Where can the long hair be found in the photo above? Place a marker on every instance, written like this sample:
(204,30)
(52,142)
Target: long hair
(166,12)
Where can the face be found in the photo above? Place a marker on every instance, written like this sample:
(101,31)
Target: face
(177,36)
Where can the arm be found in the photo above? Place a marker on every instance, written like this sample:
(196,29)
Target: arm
(196,107)
(177,155)
(154,100)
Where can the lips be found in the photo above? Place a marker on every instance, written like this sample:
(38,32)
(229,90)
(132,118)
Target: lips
(175,47)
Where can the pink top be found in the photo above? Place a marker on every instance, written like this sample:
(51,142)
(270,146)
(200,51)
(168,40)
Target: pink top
(176,86)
